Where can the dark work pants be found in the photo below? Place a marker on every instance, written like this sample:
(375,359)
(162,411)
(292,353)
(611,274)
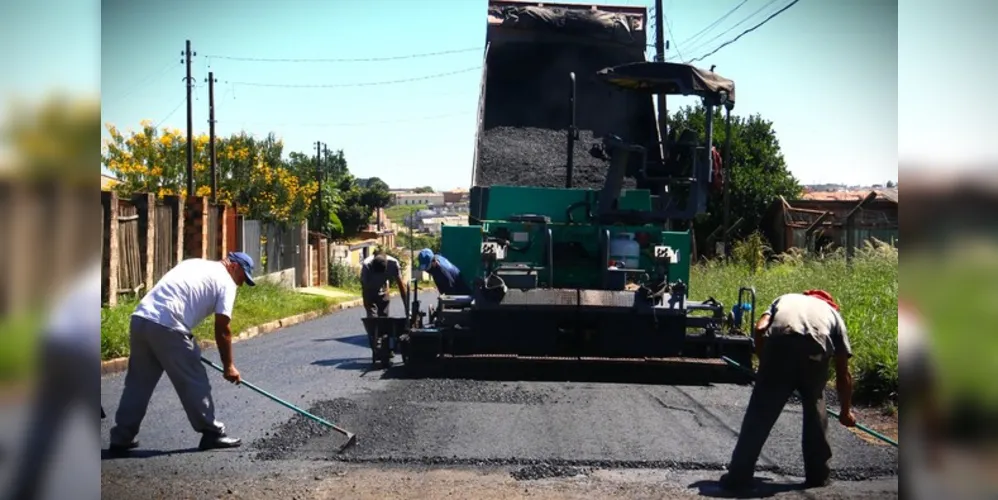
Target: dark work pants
(788,363)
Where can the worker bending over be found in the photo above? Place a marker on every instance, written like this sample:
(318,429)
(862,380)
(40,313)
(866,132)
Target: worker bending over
(795,340)
(446,276)
(376,273)
(162,340)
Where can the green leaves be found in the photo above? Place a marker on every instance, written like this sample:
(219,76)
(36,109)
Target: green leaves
(758,173)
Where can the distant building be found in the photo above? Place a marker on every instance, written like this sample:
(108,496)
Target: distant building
(825,213)
(432,225)
(456,196)
(428,199)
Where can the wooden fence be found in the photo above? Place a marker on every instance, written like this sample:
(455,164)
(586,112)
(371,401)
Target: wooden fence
(144,237)
(45,242)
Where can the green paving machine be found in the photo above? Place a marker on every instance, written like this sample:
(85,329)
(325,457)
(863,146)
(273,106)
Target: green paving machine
(583,274)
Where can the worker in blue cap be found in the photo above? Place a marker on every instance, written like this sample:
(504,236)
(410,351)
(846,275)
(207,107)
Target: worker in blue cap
(445,275)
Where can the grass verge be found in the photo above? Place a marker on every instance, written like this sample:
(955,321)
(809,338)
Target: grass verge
(254,306)
(867,292)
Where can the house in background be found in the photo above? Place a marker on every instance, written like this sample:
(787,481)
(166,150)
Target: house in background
(107,182)
(825,220)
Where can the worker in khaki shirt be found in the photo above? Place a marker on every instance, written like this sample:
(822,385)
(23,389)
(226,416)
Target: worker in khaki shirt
(796,339)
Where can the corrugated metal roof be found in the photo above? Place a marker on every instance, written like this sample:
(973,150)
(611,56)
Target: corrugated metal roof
(857,195)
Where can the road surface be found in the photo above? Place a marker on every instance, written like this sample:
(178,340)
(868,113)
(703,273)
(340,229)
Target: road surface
(619,438)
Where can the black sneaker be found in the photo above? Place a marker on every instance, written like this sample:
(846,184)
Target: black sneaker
(214,441)
(730,483)
(817,482)
(122,449)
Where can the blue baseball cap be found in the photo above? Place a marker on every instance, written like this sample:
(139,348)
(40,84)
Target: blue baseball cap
(245,262)
(425,259)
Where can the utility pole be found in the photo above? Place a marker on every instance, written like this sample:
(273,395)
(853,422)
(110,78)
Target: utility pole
(190,122)
(318,178)
(211,137)
(660,48)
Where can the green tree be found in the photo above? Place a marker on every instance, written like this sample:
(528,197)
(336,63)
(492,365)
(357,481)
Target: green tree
(759,173)
(424,189)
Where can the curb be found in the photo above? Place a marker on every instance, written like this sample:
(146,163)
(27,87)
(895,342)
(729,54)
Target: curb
(118,365)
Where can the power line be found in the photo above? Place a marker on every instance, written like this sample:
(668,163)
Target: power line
(729,42)
(167,117)
(142,83)
(337,60)
(715,23)
(358,84)
(379,122)
(703,45)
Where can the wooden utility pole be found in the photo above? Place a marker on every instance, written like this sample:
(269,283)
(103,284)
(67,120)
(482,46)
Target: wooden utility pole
(318,178)
(190,121)
(211,137)
(660,48)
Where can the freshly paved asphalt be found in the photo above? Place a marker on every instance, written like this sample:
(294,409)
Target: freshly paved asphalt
(325,365)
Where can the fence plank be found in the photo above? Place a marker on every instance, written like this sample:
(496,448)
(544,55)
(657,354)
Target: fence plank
(130,278)
(251,244)
(165,252)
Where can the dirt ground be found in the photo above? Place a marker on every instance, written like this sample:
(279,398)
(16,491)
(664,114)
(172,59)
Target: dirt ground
(362,482)
(630,484)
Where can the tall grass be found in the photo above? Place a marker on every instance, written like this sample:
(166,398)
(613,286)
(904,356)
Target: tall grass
(867,292)
(254,306)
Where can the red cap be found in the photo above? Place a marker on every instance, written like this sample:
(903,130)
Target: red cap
(823,295)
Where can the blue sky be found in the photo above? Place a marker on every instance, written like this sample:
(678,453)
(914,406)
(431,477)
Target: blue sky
(825,72)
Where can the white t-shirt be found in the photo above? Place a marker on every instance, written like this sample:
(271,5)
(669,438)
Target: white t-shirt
(74,319)
(189,293)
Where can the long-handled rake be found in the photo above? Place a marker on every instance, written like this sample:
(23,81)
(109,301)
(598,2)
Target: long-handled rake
(351,437)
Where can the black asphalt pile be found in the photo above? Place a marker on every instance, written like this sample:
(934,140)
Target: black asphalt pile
(386,423)
(536,157)
(548,470)
(299,430)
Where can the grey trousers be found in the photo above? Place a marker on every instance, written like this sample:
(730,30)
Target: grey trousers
(154,350)
(787,363)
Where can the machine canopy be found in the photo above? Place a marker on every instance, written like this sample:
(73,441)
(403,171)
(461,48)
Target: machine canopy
(668,78)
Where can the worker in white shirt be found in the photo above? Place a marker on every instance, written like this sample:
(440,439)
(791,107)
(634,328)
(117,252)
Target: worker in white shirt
(161,340)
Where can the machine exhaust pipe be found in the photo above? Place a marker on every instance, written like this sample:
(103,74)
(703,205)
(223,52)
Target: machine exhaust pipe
(573,133)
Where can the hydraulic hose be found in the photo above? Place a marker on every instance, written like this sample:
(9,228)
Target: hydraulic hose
(827,409)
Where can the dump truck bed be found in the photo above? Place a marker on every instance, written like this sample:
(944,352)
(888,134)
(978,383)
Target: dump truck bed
(524,109)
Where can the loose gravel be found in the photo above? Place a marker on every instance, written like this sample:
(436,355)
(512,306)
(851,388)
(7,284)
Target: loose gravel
(536,157)
(547,471)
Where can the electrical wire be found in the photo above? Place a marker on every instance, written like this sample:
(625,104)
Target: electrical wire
(367,123)
(701,46)
(729,42)
(150,77)
(358,84)
(167,117)
(713,24)
(338,60)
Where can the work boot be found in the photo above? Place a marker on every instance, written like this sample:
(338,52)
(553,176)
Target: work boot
(212,440)
(817,482)
(122,449)
(735,484)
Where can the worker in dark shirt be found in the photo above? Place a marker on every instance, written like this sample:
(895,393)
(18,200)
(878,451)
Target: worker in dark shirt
(445,275)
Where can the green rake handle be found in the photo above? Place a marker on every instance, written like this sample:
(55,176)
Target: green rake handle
(351,437)
(828,409)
